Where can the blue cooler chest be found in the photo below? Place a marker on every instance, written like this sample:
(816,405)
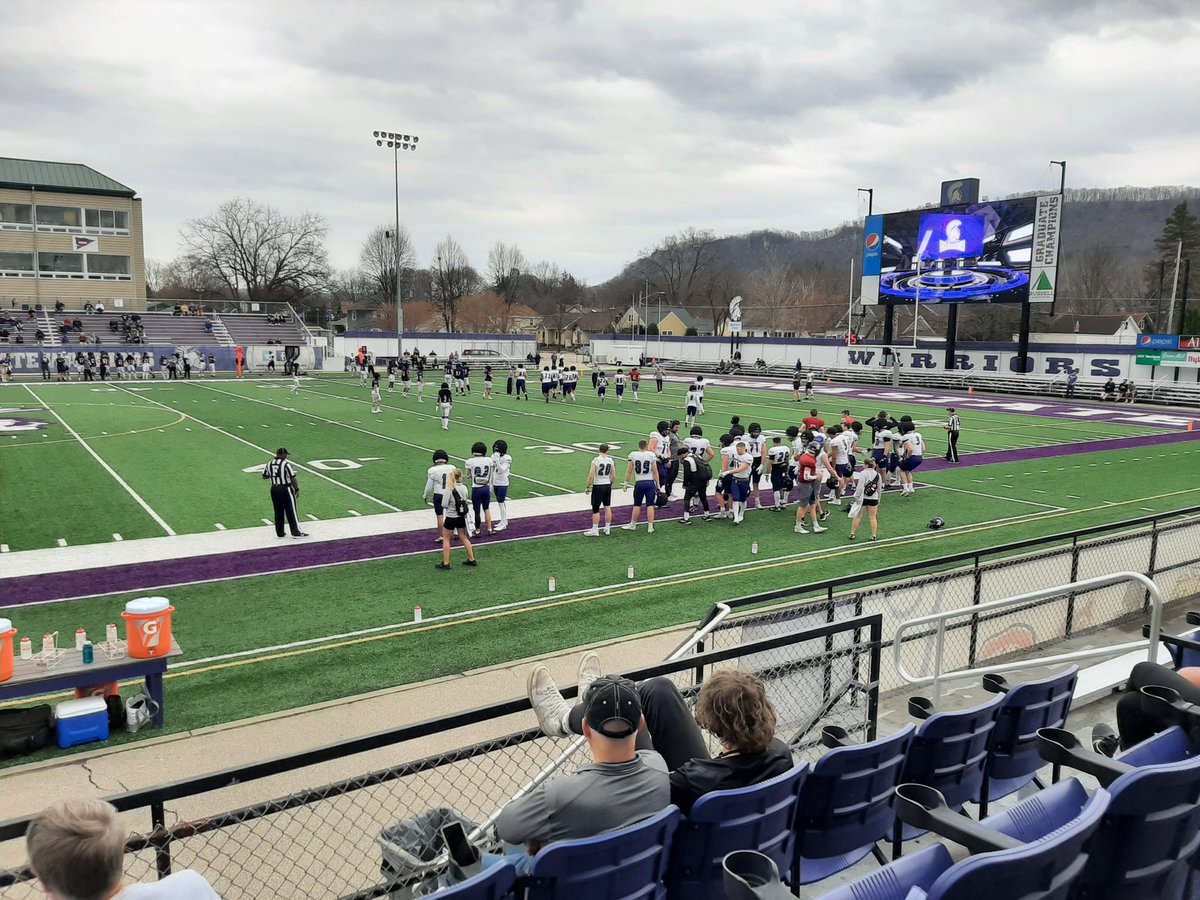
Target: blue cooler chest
(81,721)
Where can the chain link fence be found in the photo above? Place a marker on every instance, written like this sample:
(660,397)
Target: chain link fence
(1168,553)
(354,837)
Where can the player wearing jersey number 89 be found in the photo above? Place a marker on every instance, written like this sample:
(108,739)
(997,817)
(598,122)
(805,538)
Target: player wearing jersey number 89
(643,468)
(599,483)
(479,474)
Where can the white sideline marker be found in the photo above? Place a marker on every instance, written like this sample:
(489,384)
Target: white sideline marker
(219,526)
(354,512)
(313,518)
(267,522)
(3,548)
(117,537)
(62,542)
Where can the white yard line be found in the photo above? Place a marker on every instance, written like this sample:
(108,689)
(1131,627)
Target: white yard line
(376,434)
(305,469)
(107,468)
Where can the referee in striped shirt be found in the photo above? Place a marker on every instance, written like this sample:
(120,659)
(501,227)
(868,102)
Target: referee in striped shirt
(284,491)
(953,427)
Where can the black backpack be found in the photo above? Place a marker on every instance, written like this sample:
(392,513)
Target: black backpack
(460,505)
(25,731)
(703,469)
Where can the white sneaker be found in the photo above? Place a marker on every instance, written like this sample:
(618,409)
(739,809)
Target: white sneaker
(834,501)
(607,530)
(589,671)
(649,529)
(592,532)
(817,529)
(548,704)
(499,528)
(800,529)
(628,526)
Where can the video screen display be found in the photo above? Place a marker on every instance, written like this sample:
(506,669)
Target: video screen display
(981,252)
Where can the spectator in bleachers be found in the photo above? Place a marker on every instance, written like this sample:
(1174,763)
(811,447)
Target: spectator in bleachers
(77,851)
(100,307)
(732,706)
(88,307)
(622,786)
(1134,725)
(39,335)
(1109,391)
(58,306)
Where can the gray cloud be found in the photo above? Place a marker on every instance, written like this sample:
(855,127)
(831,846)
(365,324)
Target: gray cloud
(586,132)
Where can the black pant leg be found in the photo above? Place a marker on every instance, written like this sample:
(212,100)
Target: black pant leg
(953,451)
(1134,725)
(289,508)
(670,723)
(279,501)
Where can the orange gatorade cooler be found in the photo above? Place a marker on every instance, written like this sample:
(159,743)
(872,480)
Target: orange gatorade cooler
(7,634)
(148,626)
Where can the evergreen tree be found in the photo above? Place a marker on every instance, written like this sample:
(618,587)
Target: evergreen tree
(1181,225)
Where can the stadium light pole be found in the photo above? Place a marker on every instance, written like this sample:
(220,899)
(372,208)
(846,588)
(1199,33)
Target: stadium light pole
(1062,181)
(397,142)
(870,192)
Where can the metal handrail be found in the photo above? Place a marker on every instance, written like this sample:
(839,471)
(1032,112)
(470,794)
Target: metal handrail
(719,613)
(939,621)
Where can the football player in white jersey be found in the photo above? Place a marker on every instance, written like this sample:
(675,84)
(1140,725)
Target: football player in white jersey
(619,381)
(741,465)
(437,483)
(912,454)
(723,488)
(599,483)
(520,388)
(501,473)
(479,475)
(779,462)
(700,390)
(547,383)
(756,446)
(693,406)
(698,445)
(643,469)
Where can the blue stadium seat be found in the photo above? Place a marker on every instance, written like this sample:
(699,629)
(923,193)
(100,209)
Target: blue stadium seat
(761,817)
(846,806)
(948,753)
(627,864)
(1151,830)
(490,884)
(1045,869)
(1013,759)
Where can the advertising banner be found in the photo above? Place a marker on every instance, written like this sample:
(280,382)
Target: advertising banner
(1047,225)
(1158,341)
(872,259)
(1183,359)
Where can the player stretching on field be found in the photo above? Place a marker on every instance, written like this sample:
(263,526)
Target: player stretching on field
(643,467)
(445,401)
(599,483)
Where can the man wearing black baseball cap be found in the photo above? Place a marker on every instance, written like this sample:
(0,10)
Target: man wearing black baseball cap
(622,786)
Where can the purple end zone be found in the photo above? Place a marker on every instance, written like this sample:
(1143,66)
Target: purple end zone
(285,557)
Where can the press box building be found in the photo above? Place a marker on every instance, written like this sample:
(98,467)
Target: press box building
(69,233)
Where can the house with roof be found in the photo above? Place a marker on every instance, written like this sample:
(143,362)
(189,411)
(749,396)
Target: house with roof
(674,321)
(69,234)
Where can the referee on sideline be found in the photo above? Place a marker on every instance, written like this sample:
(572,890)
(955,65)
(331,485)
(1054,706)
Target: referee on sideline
(284,491)
(953,427)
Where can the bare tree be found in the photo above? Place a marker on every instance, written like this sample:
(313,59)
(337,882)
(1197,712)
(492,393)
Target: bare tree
(775,292)
(1093,274)
(719,285)
(181,279)
(379,257)
(679,264)
(506,266)
(255,251)
(453,279)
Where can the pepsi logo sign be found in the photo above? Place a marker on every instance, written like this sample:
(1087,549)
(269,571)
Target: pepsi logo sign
(872,240)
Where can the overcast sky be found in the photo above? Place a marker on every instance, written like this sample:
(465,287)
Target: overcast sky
(586,132)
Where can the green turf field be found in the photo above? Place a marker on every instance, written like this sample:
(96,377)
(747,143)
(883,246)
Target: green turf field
(183,448)
(275,642)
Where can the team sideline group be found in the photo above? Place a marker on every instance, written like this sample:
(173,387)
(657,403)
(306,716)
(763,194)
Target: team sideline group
(812,466)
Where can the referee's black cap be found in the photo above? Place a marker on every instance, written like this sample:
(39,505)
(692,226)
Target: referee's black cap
(282,451)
